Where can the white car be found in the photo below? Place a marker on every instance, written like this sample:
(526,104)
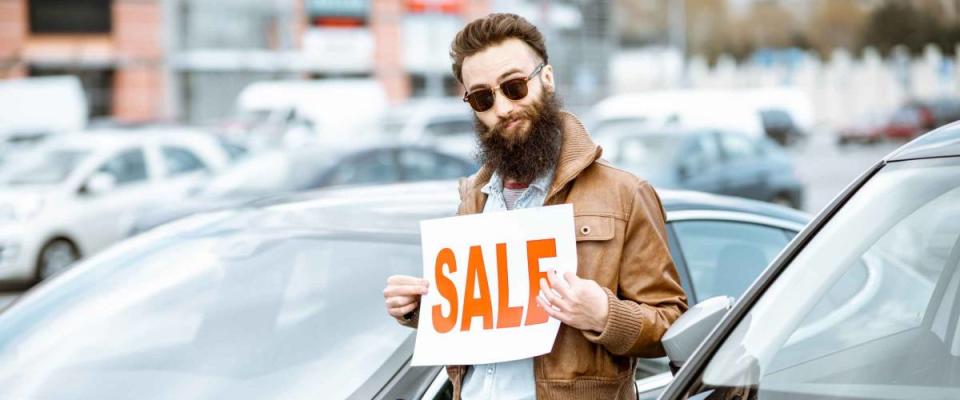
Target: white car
(77,195)
(445,123)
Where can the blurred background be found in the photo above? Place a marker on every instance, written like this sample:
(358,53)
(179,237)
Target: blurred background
(118,116)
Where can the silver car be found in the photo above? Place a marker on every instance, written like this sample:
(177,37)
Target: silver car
(863,304)
(282,299)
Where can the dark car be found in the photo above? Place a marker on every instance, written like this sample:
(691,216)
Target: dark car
(778,124)
(296,170)
(706,160)
(863,304)
(283,298)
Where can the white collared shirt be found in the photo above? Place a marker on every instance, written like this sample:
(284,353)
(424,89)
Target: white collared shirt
(510,380)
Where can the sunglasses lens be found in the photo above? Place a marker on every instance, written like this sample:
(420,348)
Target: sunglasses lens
(514,89)
(481,100)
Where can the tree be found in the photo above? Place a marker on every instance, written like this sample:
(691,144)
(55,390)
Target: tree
(898,22)
(837,24)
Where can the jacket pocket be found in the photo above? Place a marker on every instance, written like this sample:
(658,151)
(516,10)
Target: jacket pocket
(593,227)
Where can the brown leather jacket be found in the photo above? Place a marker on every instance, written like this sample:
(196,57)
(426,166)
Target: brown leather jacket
(622,245)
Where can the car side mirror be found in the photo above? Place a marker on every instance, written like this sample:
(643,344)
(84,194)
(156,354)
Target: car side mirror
(99,183)
(688,331)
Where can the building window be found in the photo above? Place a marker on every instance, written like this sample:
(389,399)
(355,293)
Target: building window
(70,16)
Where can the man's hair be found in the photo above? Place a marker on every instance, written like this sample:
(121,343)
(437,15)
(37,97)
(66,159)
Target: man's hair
(492,30)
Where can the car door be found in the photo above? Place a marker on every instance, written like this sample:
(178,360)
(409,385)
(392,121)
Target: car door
(699,164)
(722,257)
(101,219)
(183,169)
(746,174)
(423,164)
(715,254)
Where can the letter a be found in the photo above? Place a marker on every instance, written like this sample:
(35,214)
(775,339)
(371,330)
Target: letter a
(476,306)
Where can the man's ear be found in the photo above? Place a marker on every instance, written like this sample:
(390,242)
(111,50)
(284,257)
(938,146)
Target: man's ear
(547,78)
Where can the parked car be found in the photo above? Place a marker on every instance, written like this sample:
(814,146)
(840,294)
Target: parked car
(704,160)
(445,123)
(282,298)
(779,125)
(863,304)
(691,109)
(74,196)
(292,113)
(278,171)
(42,105)
(906,122)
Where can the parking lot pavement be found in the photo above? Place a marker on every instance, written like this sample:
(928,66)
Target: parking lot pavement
(827,169)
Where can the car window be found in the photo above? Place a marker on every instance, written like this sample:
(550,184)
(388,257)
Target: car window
(455,127)
(737,147)
(868,308)
(127,167)
(179,160)
(701,152)
(724,258)
(43,167)
(368,168)
(419,165)
(218,315)
(646,152)
(234,151)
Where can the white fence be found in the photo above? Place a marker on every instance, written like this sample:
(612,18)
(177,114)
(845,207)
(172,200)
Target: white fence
(843,90)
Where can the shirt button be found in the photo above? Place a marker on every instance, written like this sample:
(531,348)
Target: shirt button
(489,371)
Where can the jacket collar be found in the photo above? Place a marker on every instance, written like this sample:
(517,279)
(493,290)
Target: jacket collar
(577,152)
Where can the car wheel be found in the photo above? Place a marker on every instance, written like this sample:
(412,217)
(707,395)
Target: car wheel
(56,256)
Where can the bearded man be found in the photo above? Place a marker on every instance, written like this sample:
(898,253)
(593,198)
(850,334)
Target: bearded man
(625,293)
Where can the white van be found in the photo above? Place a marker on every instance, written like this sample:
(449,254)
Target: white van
(738,110)
(297,111)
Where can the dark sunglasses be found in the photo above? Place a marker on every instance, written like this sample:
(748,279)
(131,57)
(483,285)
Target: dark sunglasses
(515,89)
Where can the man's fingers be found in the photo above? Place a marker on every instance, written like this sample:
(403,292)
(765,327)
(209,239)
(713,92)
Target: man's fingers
(558,284)
(406,280)
(399,312)
(400,301)
(404,290)
(551,311)
(551,297)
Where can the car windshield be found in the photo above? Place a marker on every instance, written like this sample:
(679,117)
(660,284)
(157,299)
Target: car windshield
(644,152)
(213,313)
(868,308)
(46,167)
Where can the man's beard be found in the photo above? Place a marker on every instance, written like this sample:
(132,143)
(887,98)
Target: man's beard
(525,156)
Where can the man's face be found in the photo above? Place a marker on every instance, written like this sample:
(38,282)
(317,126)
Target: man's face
(508,60)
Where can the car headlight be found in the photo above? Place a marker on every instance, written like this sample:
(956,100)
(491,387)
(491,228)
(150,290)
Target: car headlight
(20,210)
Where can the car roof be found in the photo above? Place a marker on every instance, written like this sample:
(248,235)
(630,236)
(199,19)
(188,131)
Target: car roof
(941,142)
(399,207)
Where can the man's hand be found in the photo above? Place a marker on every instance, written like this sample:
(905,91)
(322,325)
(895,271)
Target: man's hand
(403,293)
(580,303)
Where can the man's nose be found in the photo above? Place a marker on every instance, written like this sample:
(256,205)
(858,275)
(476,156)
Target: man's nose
(502,105)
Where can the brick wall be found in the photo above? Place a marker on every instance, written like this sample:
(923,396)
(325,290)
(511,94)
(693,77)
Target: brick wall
(139,90)
(13,30)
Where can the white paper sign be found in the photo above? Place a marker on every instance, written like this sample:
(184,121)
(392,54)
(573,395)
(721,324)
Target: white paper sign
(498,319)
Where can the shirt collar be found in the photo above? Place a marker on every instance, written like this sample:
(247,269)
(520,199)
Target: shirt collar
(542,183)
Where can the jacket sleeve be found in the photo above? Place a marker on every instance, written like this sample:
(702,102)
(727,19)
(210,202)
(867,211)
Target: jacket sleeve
(649,296)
